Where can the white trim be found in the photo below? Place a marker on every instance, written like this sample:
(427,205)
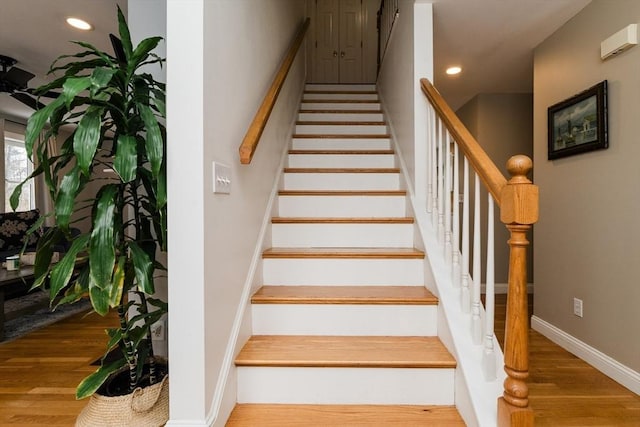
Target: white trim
(256,259)
(605,364)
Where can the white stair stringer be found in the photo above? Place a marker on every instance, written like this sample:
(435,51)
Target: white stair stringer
(341,223)
(475,398)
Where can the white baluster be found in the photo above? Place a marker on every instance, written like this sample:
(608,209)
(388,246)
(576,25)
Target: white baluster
(488,356)
(430,125)
(455,259)
(465,295)
(448,248)
(434,170)
(476,321)
(441,195)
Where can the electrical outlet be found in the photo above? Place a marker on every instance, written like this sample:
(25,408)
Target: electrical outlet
(158,331)
(577,307)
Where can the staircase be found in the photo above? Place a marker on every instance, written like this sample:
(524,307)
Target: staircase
(344,329)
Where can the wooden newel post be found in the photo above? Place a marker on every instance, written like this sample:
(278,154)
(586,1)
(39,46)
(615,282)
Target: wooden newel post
(518,211)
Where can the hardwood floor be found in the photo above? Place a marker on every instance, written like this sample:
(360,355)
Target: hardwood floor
(39,372)
(38,375)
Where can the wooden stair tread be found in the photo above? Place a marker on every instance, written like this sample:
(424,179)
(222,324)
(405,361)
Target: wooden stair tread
(340,123)
(342,193)
(342,92)
(351,253)
(278,415)
(341,170)
(341,136)
(352,220)
(372,295)
(345,351)
(340,101)
(342,152)
(340,111)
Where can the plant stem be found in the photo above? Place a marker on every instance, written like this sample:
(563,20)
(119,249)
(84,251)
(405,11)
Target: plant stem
(152,360)
(130,354)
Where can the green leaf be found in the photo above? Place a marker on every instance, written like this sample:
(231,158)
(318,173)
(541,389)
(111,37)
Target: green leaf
(143,267)
(65,200)
(100,78)
(36,123)
(61,273)
(90,384)
(102,251)
(87,137)
(99,298)
(72,87)
(154,143)
(142,50)
(126,161)
(125,36)
(117,286)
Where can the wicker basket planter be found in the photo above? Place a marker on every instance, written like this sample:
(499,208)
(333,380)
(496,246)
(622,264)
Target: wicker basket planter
(145,407)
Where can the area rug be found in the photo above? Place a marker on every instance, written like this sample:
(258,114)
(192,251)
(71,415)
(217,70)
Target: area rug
(41,317)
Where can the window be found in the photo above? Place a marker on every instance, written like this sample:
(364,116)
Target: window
(16,168)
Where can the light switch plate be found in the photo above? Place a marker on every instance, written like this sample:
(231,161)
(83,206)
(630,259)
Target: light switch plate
(221,178)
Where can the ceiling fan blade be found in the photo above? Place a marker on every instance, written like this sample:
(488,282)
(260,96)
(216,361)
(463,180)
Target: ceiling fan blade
(18,77)
(27,100)
(48,94)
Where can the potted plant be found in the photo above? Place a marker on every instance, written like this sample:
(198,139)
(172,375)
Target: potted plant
(117,113)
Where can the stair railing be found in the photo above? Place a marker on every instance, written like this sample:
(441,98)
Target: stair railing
(387,15)
(252,138)
(451,148)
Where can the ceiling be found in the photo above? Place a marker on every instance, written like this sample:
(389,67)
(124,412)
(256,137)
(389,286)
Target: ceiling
(491,39)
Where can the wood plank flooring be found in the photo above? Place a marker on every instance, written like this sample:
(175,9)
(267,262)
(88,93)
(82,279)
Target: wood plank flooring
(39,372)
(38,375)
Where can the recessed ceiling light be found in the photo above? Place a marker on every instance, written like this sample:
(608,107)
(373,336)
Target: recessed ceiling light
(452,71)
(79,24)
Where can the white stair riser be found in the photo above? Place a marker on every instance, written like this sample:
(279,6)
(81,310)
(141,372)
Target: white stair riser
(342,235)
(341,161)
(340,117)
(391,386)
(343,272)
(343,319)
(340,105)
(341,144)
(341,96)
(350,129)
(341,87)
(342,206)
(341,181)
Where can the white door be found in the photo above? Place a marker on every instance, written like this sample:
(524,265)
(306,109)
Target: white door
(338,50)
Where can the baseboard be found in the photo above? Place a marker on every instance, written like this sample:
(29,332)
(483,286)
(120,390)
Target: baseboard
(605,364)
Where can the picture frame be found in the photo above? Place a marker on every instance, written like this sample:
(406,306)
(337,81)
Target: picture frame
(579,124)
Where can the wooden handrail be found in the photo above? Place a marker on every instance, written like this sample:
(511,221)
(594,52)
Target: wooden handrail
(480,161)
(252,137)
(519,205)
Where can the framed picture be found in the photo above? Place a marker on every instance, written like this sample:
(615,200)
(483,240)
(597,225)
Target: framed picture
(579,124)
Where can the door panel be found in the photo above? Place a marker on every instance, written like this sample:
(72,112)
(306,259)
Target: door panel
(350,41)
(326,66)
(338,53)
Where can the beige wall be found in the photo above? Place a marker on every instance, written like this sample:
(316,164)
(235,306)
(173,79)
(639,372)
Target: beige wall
(586,239)
(224,55)
(503,125)
(408,58)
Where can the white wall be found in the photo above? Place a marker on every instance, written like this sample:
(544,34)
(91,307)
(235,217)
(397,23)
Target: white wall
(586,239)
(408,58)
(222,56)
